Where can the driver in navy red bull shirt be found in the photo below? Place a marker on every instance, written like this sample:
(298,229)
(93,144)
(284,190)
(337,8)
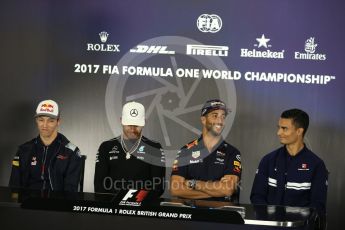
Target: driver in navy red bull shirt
(208,167)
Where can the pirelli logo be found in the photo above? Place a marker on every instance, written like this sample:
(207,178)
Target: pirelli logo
(207,50)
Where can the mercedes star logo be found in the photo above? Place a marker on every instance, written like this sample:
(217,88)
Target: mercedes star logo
(133,112)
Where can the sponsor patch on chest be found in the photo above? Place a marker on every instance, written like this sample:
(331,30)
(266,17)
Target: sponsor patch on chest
(304,167)
(62,157)
(113,158)
(196,154)
(34,161)
(219,160)
(114,150)
(195,161)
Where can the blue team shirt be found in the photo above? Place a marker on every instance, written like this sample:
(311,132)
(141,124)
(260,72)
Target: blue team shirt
(299,180)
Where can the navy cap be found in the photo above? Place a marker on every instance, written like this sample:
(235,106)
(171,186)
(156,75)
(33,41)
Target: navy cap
(214,104)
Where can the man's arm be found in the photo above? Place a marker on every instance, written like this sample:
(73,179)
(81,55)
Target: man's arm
(260,185)
(16,178)
(226,186)
(158,172)
(72,178)
(101,171)
(179,188)
(178,182)
(319,188)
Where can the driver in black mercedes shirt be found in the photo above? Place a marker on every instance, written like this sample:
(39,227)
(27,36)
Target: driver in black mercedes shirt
(130,161)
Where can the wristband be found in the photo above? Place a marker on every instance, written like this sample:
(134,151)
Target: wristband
(191,184)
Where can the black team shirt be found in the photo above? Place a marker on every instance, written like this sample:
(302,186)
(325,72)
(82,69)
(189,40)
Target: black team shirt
(145,169)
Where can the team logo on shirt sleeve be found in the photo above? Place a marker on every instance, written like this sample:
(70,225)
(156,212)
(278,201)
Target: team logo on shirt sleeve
(97,157)
(15,161)
(237,163)
(237,167)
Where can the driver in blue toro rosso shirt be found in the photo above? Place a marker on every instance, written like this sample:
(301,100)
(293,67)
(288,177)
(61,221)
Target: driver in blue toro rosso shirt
(49,161)
(208,167)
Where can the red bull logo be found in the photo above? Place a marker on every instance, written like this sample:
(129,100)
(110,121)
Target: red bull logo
(47,108)
(190,145)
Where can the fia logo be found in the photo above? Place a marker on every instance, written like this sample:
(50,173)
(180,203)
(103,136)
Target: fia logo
(209,23)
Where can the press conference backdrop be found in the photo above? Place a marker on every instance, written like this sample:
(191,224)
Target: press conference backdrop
(260,57)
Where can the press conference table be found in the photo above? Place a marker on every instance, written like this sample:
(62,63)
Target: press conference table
(23,209)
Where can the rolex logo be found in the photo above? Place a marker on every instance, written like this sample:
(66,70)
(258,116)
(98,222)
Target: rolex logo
(104,36)
(103,46)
